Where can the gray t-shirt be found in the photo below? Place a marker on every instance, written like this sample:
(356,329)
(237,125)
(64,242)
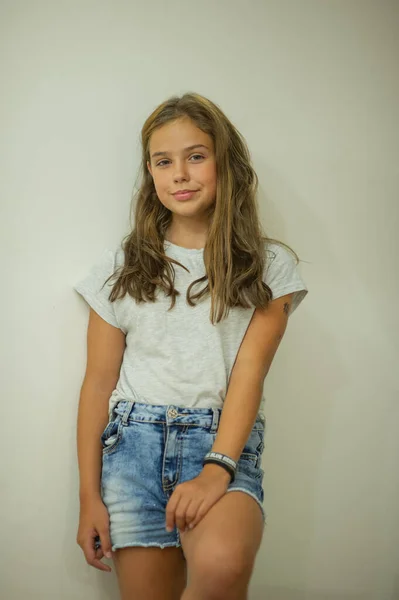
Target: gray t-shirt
(178,357)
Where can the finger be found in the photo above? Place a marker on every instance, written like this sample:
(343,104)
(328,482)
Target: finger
(94,553)
(201,512)
(180,512)
(191,513)
(90,555)
(170,511)
(105,542)
(99,554)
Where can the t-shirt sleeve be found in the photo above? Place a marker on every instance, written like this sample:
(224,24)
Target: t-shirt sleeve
(93,290)
(282,275)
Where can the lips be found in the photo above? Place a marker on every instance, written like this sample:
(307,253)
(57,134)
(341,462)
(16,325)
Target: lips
(184,194)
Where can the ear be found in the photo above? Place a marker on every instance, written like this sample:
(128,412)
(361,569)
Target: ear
(149,168)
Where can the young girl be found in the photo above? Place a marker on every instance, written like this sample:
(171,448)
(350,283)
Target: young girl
(186,316)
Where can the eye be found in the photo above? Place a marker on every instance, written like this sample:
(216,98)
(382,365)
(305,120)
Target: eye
(165,160)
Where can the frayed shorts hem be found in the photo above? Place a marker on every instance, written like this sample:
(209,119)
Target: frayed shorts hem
(175,544)
(254,496)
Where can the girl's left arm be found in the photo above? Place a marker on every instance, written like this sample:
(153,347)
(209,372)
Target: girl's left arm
(192,499)
(244,392)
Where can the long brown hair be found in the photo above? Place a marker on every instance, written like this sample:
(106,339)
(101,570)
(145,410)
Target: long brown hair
(234,253)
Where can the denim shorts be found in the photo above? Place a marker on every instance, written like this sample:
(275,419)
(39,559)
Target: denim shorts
(147,450)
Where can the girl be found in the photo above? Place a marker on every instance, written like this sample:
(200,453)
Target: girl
(171,414)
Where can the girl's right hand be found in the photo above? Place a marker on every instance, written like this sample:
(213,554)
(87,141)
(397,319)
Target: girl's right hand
(93,522)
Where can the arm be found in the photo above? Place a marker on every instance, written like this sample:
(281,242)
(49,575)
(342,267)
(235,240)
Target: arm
(244,392)
(105,348)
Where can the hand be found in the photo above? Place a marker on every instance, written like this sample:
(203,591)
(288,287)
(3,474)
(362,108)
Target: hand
(192,499)
(93,521)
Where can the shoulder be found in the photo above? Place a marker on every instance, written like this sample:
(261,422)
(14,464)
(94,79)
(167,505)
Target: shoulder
(119,256)
(277,259)
(105,264)
(275,252)
(282,274)
(111,259)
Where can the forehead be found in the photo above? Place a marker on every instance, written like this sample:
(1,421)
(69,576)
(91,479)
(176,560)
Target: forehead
(177,135)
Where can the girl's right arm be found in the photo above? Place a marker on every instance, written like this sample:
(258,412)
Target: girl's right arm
(105,347)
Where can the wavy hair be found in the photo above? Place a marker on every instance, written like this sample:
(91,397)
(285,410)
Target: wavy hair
(234,253)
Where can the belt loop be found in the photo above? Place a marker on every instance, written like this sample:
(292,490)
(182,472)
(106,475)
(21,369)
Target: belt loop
(215,420)
(128,410)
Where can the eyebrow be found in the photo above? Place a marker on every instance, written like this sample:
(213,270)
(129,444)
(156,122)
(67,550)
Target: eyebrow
(185,150)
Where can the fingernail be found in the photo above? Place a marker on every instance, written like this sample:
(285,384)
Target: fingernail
(169,529)
(108,554)
(191,526)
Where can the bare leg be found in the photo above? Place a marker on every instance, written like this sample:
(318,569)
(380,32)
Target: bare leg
(150,573)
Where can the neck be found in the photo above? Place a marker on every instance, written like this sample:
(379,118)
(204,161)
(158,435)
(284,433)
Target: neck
(194,238)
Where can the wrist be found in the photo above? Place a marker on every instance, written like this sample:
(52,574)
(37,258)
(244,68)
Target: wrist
(216,471)
(89,495)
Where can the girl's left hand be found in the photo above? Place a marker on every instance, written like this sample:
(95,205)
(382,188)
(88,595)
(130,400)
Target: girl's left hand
(192,499)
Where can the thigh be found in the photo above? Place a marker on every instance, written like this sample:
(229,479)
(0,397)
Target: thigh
(225,542)
(150,573)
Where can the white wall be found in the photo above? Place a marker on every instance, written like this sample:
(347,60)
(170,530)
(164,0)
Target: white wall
(313,86)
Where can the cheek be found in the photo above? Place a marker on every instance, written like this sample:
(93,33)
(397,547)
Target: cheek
(160,183)
(208,176)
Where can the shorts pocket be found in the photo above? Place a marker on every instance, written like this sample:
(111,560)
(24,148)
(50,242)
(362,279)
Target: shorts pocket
(254,447)
(251,457)
(112,435)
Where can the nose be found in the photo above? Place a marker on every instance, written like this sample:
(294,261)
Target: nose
(180,172)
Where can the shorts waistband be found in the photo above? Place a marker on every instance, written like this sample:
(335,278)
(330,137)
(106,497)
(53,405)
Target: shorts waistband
(133,411)
(208,418)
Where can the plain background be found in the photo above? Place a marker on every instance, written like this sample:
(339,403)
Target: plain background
(313,87)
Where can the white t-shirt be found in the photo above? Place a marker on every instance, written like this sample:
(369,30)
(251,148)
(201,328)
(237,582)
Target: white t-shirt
(178,357)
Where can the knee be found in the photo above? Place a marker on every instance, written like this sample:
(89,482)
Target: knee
(218,569)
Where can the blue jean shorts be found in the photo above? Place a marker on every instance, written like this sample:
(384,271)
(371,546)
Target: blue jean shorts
(147,450)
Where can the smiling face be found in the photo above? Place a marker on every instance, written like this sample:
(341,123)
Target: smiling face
(183,158)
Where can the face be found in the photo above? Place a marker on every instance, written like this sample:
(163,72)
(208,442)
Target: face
(177,165)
